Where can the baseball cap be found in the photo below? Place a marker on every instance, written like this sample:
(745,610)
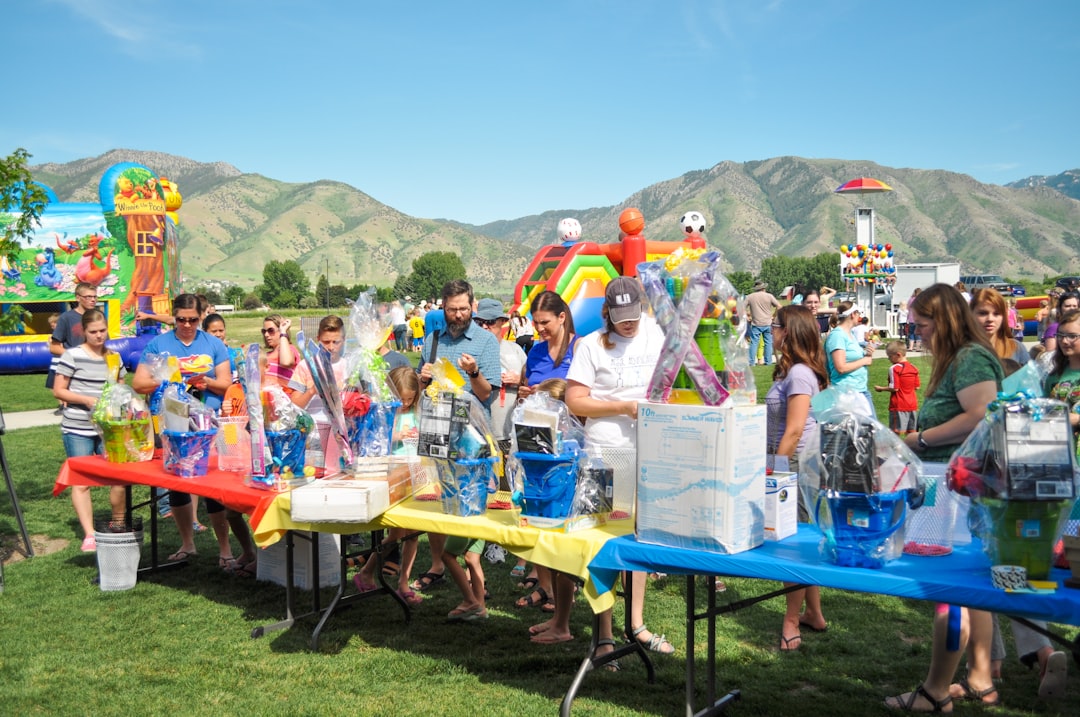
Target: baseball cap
(623,299)
(490,309)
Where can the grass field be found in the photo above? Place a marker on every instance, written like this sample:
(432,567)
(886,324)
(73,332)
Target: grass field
(178,643)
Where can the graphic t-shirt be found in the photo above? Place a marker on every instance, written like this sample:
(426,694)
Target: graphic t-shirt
(200,357)
(1064,386)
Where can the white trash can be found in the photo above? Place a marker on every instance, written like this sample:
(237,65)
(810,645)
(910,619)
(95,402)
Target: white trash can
(118,554)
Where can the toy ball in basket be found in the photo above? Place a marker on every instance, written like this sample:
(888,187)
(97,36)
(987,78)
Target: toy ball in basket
(123,420)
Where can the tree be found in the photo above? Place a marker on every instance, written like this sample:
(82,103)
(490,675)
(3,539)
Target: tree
(23,197)
(322,292)
(284,284)
(250,302)
(235,295)
(212,295)
(810,273)
(743,281)
(429,273)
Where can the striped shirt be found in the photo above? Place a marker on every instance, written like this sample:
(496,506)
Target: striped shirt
(88,375)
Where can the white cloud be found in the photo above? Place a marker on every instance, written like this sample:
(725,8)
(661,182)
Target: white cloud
(141,29)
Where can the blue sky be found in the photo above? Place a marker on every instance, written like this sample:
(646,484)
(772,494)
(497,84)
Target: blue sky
(479,111)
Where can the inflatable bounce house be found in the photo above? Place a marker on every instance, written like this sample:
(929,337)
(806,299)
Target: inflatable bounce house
(125,245)
(579,271)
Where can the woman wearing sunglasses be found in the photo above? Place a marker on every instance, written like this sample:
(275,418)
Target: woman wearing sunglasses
(204,366)
(282,357)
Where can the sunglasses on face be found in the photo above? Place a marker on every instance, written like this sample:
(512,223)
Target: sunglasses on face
(485,322)
(187,319)
(268,332)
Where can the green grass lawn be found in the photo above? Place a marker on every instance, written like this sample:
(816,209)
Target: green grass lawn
(178,643)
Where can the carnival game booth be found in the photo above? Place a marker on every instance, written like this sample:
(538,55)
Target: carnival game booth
(125,245)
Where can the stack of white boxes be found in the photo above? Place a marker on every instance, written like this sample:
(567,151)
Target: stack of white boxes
(701,476)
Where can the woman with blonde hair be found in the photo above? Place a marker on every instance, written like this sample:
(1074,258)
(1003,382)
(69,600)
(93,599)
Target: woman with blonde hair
(282,357)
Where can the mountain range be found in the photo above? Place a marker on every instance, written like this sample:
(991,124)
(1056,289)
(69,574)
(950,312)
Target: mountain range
(232,223)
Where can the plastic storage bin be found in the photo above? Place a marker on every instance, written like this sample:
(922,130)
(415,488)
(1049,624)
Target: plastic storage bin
(857,526)
(288,447)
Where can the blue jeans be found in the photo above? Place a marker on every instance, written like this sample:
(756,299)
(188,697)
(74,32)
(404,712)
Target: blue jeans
(75,445)
(762,332)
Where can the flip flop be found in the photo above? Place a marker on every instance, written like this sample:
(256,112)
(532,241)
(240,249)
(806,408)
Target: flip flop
(225,562)
(518,571)
(543,638)
(361,586)
(1052,686)
(243,570)
(181,555)
(410,598)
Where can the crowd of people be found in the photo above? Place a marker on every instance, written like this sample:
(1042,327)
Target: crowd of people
(972,341)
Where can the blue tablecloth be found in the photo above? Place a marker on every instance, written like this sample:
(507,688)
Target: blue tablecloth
(961,578)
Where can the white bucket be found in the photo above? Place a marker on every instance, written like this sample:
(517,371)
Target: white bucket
(118,558)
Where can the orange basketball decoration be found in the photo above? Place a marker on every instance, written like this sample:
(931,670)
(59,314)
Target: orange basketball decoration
(631,221)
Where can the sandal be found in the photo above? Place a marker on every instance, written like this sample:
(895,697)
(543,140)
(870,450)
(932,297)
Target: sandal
(427,581)
(518,571)
(529,584)
(612,665)
(909,705)
(225,562)
(534,599)
(785,643)
(656,643)
(361,586)
(973,695)
(243,570)
(411,599)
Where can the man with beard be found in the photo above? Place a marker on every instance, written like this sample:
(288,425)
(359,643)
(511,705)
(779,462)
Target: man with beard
(473,350)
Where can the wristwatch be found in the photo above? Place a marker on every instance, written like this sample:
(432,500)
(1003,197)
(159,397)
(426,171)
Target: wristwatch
(474,374)
(923,445)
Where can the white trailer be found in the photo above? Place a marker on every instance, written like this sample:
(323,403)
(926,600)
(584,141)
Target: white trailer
(919,276)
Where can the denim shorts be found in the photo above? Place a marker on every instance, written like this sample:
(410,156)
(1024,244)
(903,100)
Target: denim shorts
(76,445)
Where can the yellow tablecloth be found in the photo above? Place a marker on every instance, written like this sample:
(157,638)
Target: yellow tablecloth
(566,552)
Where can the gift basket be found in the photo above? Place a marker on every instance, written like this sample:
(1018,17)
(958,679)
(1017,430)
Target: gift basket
(287,427)
(455,436)
(859,479)
(189,431)
(1019,468)
(697,479)
(542,470)
(123,420)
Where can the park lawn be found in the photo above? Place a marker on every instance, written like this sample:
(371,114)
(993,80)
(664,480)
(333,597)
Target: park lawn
(180,641)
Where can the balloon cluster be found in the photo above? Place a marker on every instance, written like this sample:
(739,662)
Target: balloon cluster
(867,259)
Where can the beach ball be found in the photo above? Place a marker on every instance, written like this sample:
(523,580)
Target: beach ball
(568,230)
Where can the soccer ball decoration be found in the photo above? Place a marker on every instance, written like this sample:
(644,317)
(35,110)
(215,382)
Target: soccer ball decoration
(568,229)
(693,223)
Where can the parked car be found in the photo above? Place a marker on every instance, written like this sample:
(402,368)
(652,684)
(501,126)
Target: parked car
(987,281)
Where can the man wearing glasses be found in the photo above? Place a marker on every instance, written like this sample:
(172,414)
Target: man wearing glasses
(468,346)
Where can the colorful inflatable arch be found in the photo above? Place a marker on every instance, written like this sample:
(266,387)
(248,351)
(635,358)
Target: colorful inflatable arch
(579,271)
(125,245)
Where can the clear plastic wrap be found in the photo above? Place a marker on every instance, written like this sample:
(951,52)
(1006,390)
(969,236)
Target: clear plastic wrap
(369,326)
(122,419)
(858,479)
(326,385)
(1019,467)
(286,426)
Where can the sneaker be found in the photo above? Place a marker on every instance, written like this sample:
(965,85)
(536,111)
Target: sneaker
(89,544)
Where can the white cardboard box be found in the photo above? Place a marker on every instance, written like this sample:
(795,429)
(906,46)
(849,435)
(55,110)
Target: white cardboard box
(346,501)
(781,505)
(271,567)
(701,476)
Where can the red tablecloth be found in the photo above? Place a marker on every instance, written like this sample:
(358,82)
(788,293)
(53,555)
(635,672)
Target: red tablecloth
(225,487)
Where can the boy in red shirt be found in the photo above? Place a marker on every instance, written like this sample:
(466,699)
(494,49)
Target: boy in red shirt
(903,382)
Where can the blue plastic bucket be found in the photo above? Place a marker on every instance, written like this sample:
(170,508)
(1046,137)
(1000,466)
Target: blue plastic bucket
(186,453)
(372,434)
(858,525)
(465,485)
(288,447)
(549,484)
